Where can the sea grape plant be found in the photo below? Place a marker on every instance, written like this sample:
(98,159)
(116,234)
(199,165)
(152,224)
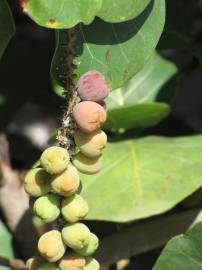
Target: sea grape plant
(109,74)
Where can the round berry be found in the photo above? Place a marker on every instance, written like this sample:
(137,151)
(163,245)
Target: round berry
(92,86)
(75,236)
(72,262)
(47,207)
(66,183)
(37,182)
(91,264)
(89,116)
(51,246)
(74,208)
(91,144)
(87,165)
(54,159)
(90,247)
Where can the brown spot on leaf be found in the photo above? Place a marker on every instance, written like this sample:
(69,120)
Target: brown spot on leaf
(107,57)
(109,74)
(126,71)
(52,21)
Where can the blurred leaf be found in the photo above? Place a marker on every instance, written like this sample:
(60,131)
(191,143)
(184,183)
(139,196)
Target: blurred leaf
(7,26)
(61,14)
(143,177)
(182,252)
(136,116)
(6,249)
(119,10)
(132,105)
(117,50)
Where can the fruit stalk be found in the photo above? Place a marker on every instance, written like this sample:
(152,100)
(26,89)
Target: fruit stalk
(65,133)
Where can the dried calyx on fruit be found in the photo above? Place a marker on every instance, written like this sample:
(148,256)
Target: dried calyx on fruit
(54,184)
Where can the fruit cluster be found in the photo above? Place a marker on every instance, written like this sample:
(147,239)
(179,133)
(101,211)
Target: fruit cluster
(54,185)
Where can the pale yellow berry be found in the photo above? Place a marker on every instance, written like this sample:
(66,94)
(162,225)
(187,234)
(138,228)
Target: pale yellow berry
(87,165)
(51,246)
(72,262)
(37,182)
(74,208)
(54,159)
(91,144)
(75,236)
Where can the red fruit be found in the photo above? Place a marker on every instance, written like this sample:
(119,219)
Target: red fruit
(92,86)
(89,116)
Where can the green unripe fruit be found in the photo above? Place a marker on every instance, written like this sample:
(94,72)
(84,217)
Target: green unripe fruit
(51,246)
(87,165)
(91,144)
(90,247)
(72,262)
(47,208)
(54,159)
(74,208)
(91,264)
(48,266)
(37,182)
(34,263)
(76,236)
(66,183)
(37,221)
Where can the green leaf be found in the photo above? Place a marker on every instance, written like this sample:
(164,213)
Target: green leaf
(136,116)
(7,26)
(63,13)
(182,252)
(118,51)
(132,106)
(119,10)
(5,243)
(143,177)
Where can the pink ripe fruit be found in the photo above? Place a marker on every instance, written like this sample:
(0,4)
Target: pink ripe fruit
(92,86)
(89,116)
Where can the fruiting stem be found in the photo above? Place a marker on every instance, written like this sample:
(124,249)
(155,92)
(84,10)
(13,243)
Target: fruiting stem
(66,132)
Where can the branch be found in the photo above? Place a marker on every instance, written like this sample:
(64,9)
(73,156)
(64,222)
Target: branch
(146,235)
(66,132)
(14,264)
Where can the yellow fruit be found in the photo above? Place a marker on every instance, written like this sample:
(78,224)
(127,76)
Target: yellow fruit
(87,165)
(74,208)
(51,246)
(54,159)
(66,183)
(37,182)
(91,144)
(72,262)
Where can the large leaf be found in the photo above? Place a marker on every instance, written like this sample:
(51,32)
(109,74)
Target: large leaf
(5,243)
(132,106)
(119,10)
(63,13)
(143,177)
(183,252)
(7,26)
(119,50)
(136,116)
